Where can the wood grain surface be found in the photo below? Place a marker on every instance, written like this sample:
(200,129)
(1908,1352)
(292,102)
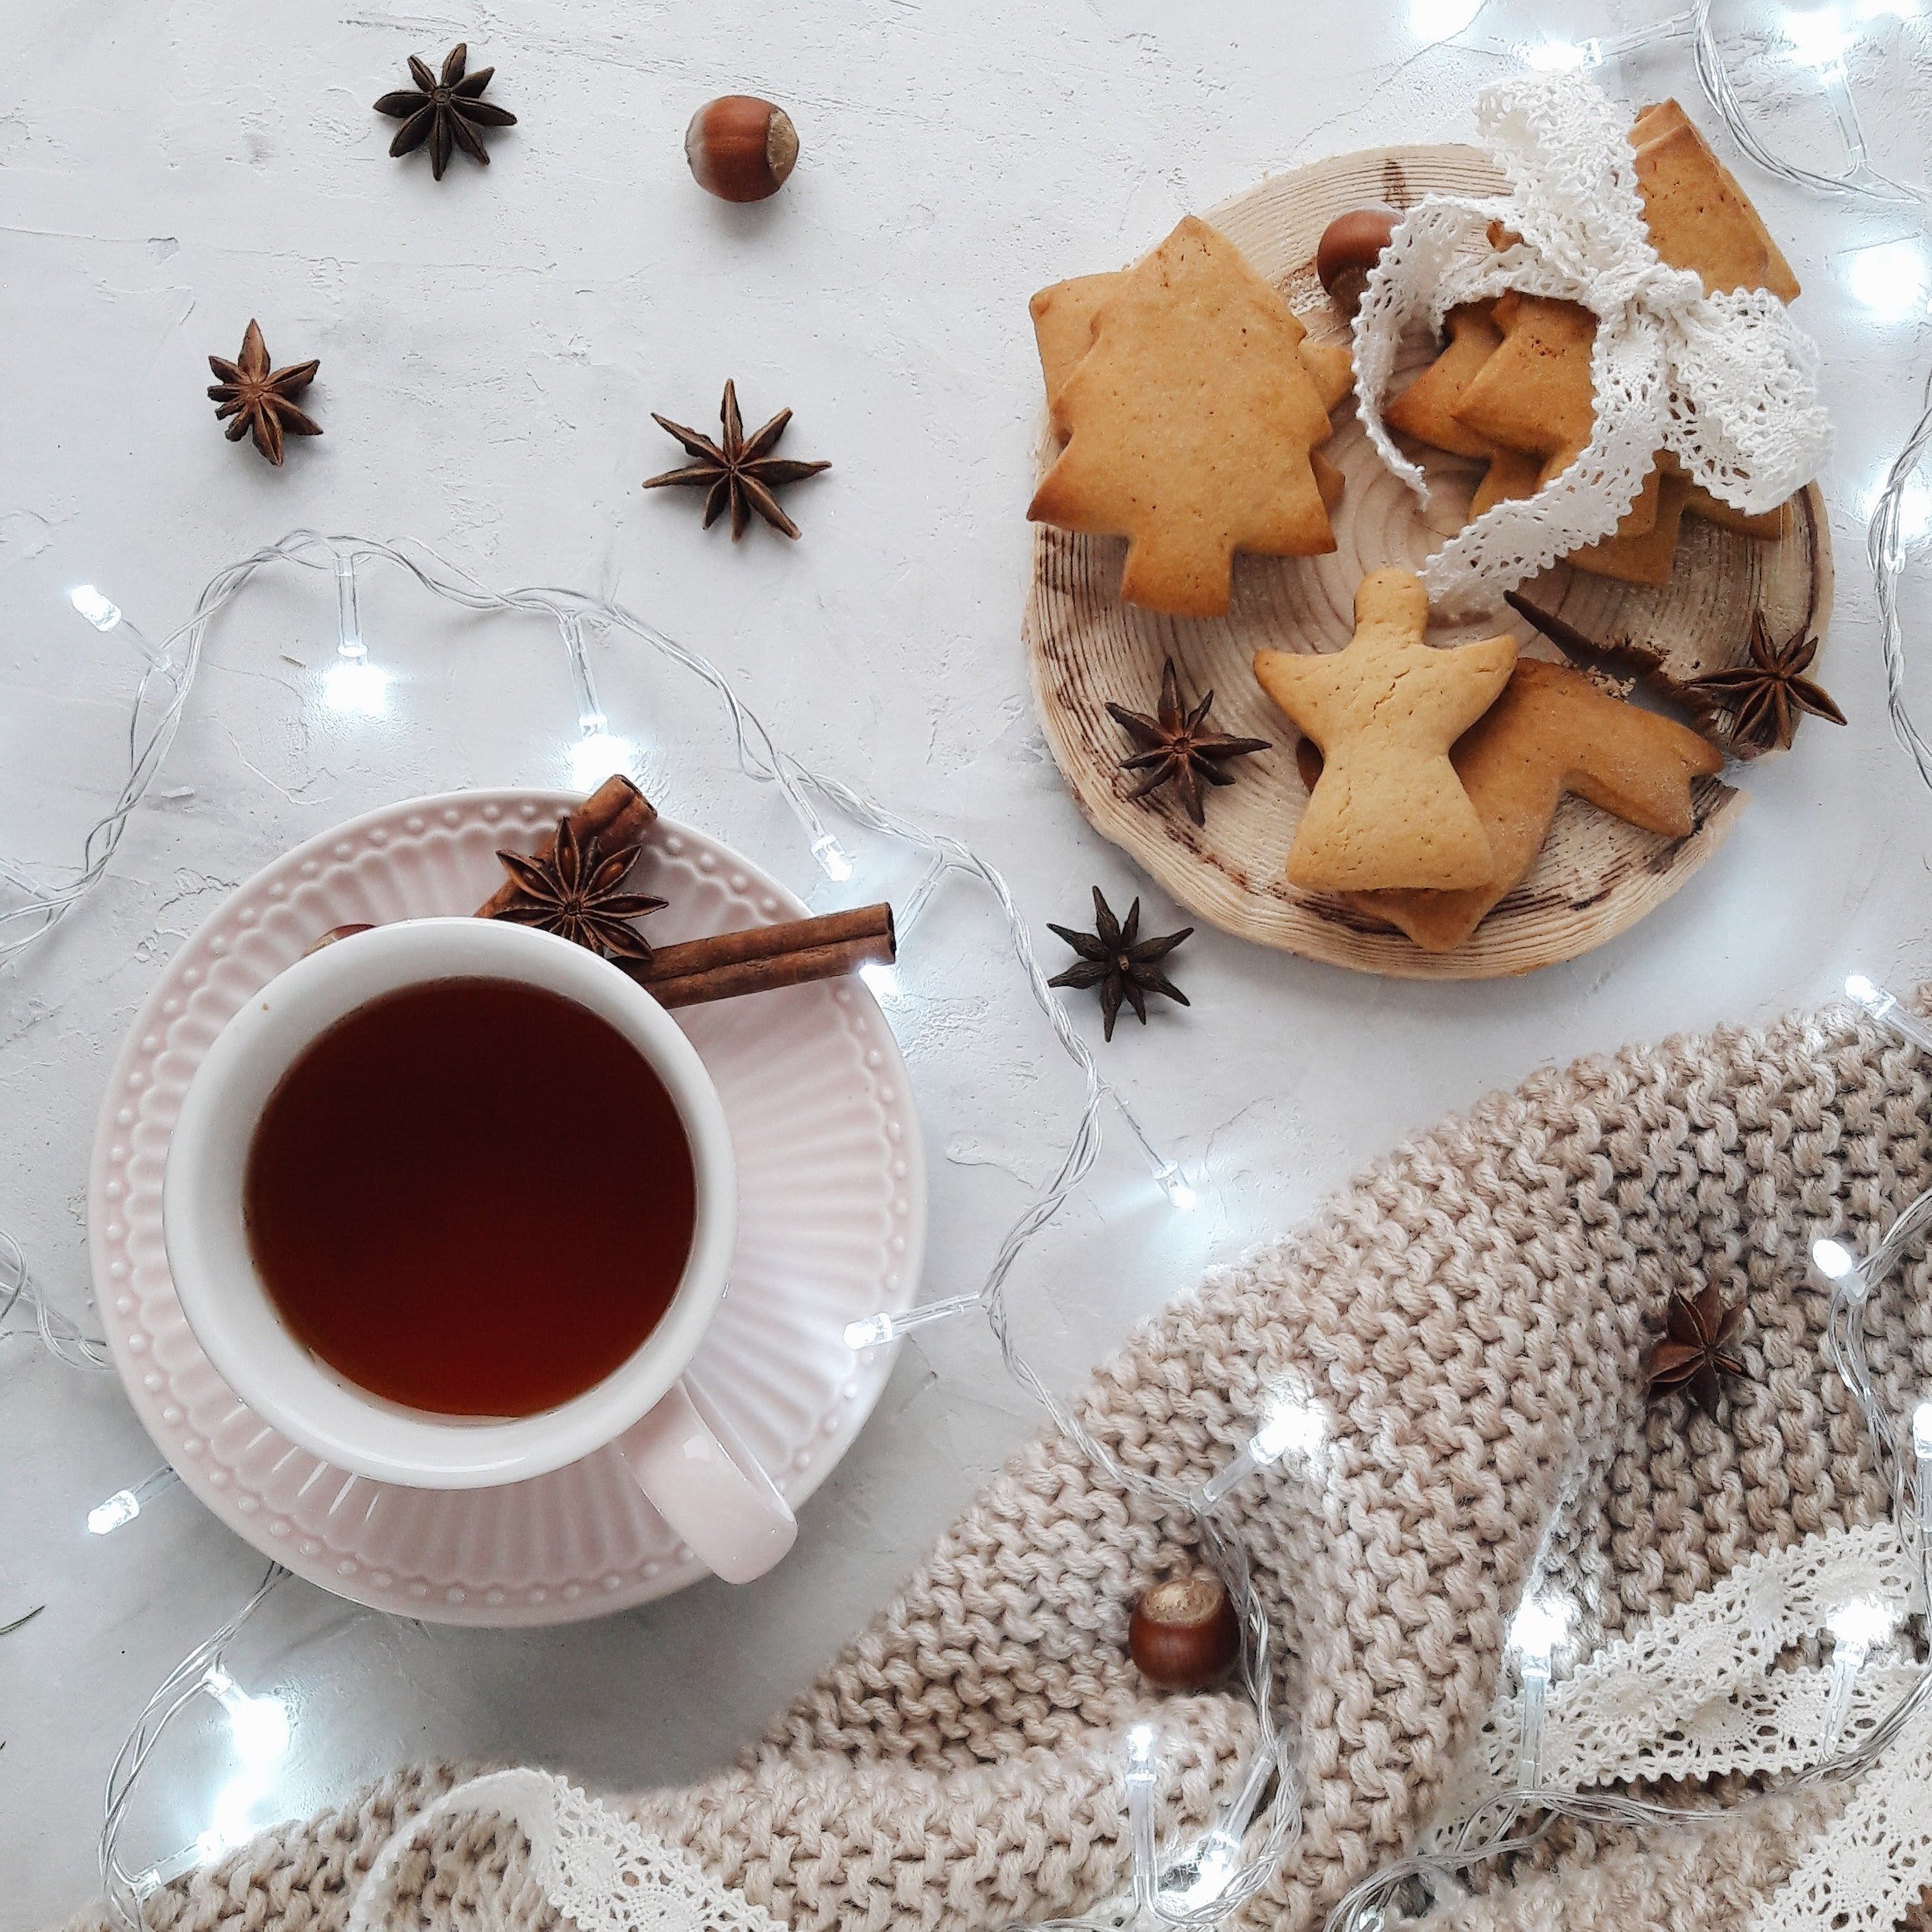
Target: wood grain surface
(1595,876)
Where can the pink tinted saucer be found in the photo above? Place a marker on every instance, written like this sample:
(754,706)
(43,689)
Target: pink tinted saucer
(831,1228)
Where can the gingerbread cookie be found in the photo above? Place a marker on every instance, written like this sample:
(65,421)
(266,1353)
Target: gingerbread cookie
(1699,502)
(1533,392)
(1699,218)
(1515,472)
(1427,409)
(1551,731)
(1643,556)
(1389,810)
(1191,424)
(1063,332)
(1530,396)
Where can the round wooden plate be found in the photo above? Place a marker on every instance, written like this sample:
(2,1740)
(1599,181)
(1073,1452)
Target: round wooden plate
(1596,876)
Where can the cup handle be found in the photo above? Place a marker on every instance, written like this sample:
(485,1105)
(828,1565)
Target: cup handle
(703,1482)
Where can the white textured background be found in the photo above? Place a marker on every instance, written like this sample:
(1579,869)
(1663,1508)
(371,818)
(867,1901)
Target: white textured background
(491,347)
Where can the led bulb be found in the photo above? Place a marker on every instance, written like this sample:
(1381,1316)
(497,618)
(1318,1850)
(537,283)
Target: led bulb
(1861,1622)
(124,1505)
(1855,1626)
(1832,1259)
(1291,1425)
(883,1328)
(1557,57)
(1818,36)
(1215,1863)
(1536,1628)
(120,1509)
(260,1725)
(595,755)
(355,686)
(1173,1183)
(835,861)
(1893,280)
(93,606)
(1539,1625)
(869,1333)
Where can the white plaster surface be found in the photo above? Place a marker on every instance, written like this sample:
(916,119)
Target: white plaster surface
(491,348)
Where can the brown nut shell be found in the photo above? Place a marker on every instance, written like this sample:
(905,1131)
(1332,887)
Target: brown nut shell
(334,933)
(1350,245)
(1184,1633)
(740,148)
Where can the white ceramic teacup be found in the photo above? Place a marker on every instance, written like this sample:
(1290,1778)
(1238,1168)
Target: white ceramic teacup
(683,1455)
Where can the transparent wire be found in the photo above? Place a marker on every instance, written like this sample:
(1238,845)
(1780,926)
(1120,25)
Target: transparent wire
(1885,548)
(59,1333)
(1494,1831)
(1860,180)
(121,1888)
(157,715)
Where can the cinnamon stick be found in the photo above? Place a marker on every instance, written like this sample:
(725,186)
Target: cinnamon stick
(615,814)
(753,960)
(760,959)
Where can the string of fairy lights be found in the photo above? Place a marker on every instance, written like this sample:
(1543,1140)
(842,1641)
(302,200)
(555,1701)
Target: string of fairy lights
(1199,1884)
(355,682)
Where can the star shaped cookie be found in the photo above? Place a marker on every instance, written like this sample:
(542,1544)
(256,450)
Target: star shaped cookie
(1190,423)
(1552,732)
(1389,810)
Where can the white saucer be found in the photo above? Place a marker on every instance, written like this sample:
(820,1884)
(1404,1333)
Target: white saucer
(832,1228)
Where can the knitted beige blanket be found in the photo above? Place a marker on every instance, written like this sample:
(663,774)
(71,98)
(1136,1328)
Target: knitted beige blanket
(1470,1318)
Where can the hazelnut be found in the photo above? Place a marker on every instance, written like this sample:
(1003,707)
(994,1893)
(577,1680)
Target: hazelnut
(1184,1632)
(334,933)
(1350,245)
(740,148)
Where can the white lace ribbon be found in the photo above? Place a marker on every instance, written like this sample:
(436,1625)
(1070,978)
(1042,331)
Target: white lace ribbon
(1695,1693)
(1706,1689)
(1726,381)
(598,1870)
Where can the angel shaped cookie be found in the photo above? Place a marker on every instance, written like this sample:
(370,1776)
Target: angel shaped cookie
(1389,810)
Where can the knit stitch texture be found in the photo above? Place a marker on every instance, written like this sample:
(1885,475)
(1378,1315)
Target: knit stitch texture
(1469,1318)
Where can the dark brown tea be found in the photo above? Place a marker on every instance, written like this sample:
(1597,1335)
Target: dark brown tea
(471,1198)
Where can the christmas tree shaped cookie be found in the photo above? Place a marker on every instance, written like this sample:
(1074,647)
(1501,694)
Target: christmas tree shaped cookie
(1389,810)
(1189,422)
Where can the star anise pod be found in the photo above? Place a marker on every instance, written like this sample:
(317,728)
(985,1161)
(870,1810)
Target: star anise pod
(1114,958)
(1176,746)
(573,892)
(738,470)
(1692,1351)
(447,112)
(261,399)
(1765,697)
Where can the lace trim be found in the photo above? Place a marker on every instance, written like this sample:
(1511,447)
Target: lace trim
(598,1870)
(1726,381)
(1864,1870)
(1695,1693)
